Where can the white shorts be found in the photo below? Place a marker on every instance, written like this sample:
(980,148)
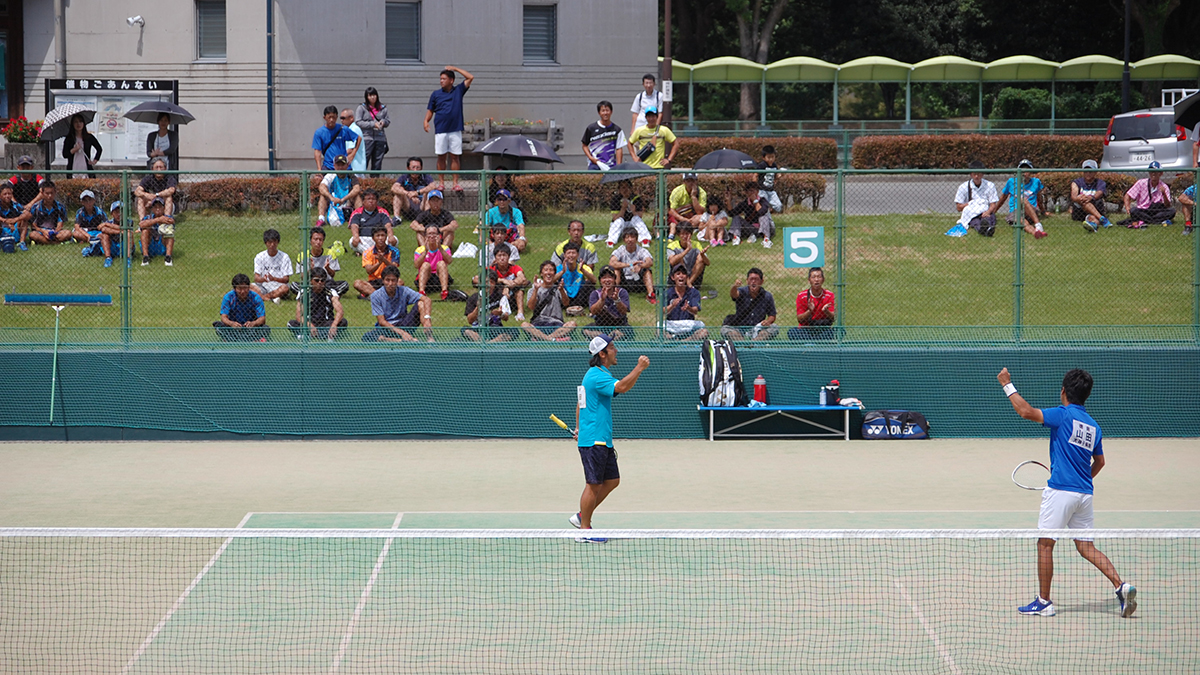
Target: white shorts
(1062,510)
(364,244)
(448,143)
(271,286)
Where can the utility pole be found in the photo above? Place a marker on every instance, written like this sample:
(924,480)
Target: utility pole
(1124,73)
(665,76)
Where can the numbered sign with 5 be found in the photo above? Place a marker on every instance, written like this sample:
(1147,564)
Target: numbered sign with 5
(803,246)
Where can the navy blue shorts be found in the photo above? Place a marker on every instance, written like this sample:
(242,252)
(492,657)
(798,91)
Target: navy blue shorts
(599,464)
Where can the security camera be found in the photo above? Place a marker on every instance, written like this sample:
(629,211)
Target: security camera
(135,21)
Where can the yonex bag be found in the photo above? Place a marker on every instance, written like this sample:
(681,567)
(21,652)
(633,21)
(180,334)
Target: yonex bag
(894,425)
(721,375)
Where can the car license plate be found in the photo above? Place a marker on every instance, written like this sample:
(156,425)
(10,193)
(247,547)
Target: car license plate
(1141,157)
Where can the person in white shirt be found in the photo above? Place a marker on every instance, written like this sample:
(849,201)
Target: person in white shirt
(648,98)
(633,263)
(354,153)
(272,269)
(977,202)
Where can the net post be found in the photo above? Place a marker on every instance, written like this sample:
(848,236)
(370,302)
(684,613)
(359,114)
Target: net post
(1018,271)
(305,196)
(127,260)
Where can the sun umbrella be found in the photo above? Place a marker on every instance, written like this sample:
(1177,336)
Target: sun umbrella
(1187,112)
(58,121)
(725,159)
(148,112)
(611,176)
(520,147)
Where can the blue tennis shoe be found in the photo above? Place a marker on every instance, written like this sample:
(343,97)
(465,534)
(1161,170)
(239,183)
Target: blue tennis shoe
(1038,607)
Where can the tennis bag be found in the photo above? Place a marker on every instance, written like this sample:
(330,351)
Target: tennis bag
(721,375)
(894,425)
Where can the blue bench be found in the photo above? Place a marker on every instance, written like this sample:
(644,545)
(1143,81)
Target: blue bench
(799,413)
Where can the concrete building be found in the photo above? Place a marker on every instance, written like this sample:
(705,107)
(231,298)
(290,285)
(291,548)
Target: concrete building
(532,59)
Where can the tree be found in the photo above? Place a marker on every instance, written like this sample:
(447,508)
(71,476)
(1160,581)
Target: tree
(756,24)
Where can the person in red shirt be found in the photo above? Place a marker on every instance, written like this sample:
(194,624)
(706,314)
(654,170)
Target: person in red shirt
(510,277)
(815,309)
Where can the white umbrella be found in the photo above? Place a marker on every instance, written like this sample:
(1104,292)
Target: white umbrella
(58,121)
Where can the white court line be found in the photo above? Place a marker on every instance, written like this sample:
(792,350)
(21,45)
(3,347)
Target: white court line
(179,602)
(362,600)
(937,643)
(303,513)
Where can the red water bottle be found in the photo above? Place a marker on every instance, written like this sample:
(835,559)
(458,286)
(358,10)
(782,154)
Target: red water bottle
(760,389)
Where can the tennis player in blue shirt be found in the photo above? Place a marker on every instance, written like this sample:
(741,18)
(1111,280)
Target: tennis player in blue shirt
(1076,456)
(594,429)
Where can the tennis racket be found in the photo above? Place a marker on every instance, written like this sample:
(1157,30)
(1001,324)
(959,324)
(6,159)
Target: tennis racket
(554,418)
(1031,475)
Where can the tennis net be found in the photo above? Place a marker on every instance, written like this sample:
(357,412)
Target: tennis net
(128,601)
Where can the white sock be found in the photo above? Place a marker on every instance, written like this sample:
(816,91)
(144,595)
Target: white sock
(1037,226)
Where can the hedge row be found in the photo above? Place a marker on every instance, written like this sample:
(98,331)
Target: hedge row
(791,153)
(955,152)
(577,192)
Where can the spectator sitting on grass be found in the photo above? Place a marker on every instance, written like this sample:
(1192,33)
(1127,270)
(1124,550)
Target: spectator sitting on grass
(766,179)
(272,269)
(508,216)
(627,209)
(713,222)
(510,277)
(155,185)
(13,222)
(243,315)
(27,184)
(578,280)
(587,252)
(318,259)
(1087,198)
(1032,197)
(440,218)
(634,263)
(1187,204)
(754,310)
(87,223)
(47,217)
(1149,200)
(546,303)
(433,263)
(682,306)
(977,202)
(398,307)
(375,260)
(686,204)
(157,231)
(752,214)
(410,192)
(497,234)
(339,194)
(497,310)
(683,251)
(609,306)
(325,315)
(366,220)
(815,309)
(110,233)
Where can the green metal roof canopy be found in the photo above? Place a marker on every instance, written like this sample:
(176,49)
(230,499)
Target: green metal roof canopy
(1165,67)
(1020,69)
(947,69)
(1091,68)
(728,69)
(874,69)
(801,69)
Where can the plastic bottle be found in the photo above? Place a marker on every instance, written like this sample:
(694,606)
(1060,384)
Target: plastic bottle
(760,389)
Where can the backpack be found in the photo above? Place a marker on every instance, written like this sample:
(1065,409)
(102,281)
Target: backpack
(894,425)
(721,375)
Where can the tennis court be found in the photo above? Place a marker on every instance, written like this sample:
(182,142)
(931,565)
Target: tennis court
(385,594)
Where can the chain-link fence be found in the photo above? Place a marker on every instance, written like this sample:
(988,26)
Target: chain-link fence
(592,253)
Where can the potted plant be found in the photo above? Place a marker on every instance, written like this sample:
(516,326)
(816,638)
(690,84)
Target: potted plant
(22,137)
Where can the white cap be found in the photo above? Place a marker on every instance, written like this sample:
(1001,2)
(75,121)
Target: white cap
(87,193)
(1089,164)
(598,344)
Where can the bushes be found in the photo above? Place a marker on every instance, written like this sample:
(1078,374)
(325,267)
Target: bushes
(791,153)
(578,192)
(107,190)
(236,195)
(955,152)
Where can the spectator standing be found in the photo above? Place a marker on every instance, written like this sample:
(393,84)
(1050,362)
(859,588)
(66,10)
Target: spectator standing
(26,184)
(339,194)
(398,307)
(47,216)
(1088,194)
(87,223)
(713,222)
(318,259)
(1187,203)
(648,98)
(649,143)
(78,147)
(156,185)
(502,180)
(13,221)
(110,232)
(366,220)
(766,179)
(272,269)
(587,252)
(1030,193)
(163,143)
(977,201)
(437,216)
(609,306)
(510,277)
(330,139)
(410,192)
(686,204)
(372,119)
(375,261)
(509,217)
(445,110)
(325,313)
(815,309)
(754,310)
(494,312)
(682,306)
(578,280)
(634,263)
(243,315)
(684,251)
(157,232)
(752,214)
(357,159)
(547,301)
(627,209)
(433,263)
(1149,200)
(603,141)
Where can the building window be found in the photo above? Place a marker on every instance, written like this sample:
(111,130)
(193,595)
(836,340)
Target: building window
(403,26)
(541,33)
(210,29)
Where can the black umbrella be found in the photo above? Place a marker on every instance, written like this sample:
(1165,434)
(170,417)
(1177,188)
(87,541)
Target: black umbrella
(58,121)
(520,147)
(725,159)
(1187,111)
(148,112)
(611,176)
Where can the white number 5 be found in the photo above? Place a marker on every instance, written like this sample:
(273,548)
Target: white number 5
(804,252)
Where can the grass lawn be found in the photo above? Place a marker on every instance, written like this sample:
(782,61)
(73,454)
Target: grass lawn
(900,270)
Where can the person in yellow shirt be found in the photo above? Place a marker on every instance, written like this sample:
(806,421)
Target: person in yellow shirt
(654,136)
(687,204)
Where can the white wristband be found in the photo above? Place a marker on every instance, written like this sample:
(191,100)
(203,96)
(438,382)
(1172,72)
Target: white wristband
(1010,389)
